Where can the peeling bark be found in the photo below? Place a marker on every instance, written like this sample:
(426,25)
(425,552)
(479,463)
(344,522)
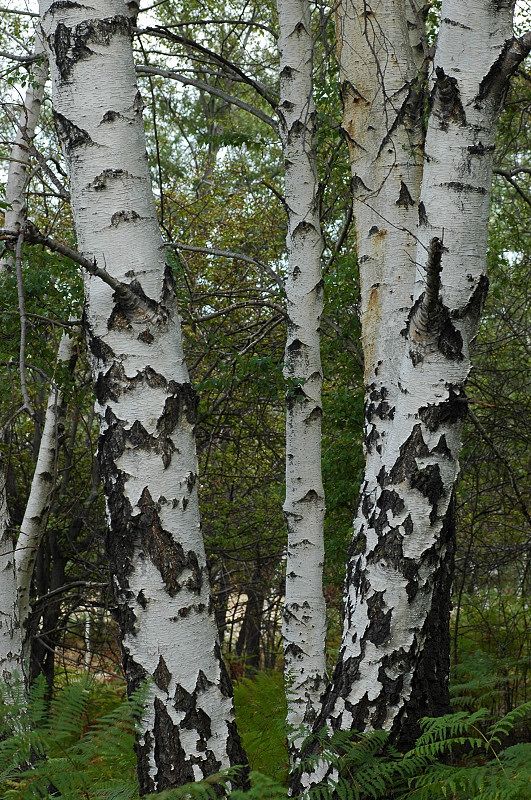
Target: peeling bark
(145,402)
(304,619)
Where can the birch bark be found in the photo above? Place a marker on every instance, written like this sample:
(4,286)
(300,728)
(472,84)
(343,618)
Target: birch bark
(394,660)
(42,485)
(10,635)
(146,404)
(304,618)
(15,215)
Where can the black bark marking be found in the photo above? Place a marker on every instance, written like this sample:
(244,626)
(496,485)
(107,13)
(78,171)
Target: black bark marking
(141,600)
(423,217)
(441,448)
(479,149)
(376,404)
(379,619)
(431,663)
(162,675)
(450,340)
(406,464)
(448,412)
(429,483)
(198,608)
(390,500)
(99,349)
(100,181)
(390,695)
(120,217)
(146,336)
(446,99)
(459,186)
(166,554)
(456,24)
(404,198)
(494,83)
(70,134)
(173,768)
(473,308)
(71,45)
(110,116)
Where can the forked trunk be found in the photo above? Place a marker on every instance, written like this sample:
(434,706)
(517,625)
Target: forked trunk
(394,659)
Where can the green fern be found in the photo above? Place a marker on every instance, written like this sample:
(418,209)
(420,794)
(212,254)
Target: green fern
(80,747)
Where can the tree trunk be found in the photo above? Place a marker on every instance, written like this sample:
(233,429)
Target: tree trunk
(304,626)
(33,523)
(145,401)
(248,643)
(394,659)
(17,176)
(10,634)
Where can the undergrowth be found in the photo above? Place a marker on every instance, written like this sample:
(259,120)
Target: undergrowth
(80,747)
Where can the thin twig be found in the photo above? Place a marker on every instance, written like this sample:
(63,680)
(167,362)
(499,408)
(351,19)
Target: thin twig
(214,251)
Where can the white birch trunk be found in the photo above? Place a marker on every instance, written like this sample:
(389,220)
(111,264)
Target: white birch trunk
(11,618)
(42,485)
(10,634)
(394,660)
(145,401)
(17,176)
(304,626)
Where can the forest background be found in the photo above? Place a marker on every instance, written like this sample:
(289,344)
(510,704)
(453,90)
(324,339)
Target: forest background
(218,180)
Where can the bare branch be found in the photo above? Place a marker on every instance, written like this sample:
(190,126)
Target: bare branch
(213,251)
(509,177)
(143,69)
(232,68)
(126,294)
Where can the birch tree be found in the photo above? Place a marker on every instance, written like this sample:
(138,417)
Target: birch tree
(42,485)
(10,633)
(146,404)
(20,156)
(394,659)
(18,560)
(304,627)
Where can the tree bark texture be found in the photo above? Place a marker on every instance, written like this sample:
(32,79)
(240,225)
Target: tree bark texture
(10,633)
(17,176)
(42,485)
(146,404)
(304,617)
(394,658)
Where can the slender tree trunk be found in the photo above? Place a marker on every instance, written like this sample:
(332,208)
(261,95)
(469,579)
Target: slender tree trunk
(10,634)
(304,626)
(43,642)
(15,215)
(248,643)
(394,660)
(17,564)
(145,401)
(32,527)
